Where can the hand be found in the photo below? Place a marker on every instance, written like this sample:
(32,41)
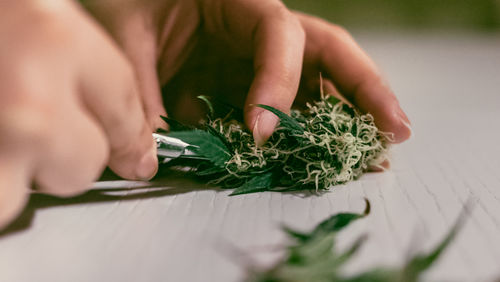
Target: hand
(68,105)
(247,51)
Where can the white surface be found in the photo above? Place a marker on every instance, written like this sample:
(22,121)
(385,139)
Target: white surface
(449,85)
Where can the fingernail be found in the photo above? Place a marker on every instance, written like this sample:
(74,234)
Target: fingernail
(147,166)
(406,122)
(385,165)
(264,126)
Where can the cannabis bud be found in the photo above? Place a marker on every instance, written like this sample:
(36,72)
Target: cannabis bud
(326,144)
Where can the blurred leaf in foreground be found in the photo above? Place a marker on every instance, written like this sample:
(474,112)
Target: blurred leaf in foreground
(312,256)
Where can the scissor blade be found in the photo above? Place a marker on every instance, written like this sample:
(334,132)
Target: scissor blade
(172,148)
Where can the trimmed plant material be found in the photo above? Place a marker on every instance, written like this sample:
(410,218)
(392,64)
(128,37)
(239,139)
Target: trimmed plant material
(311,256)
(328,143)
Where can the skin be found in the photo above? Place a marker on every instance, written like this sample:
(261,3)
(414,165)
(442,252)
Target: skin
(78,90)
(69,105)
(246,52)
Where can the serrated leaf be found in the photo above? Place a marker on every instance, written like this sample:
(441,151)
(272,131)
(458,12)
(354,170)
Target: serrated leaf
(206,145)
(257,183)
(219,135)
(316,248)
(300,236)
(421,263)
(334,223)
(286,121)
(317,260)
(344,257)
(417,265)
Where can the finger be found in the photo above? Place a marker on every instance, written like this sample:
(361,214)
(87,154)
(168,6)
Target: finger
(143,59)
(137,39)
(279,47)
(354,74)
(110,93)
(75,153)
(277,41)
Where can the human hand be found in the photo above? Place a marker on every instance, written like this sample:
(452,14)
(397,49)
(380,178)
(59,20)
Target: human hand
(247,52)
(68,105)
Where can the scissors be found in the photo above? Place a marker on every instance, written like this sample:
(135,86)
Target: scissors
(169,148)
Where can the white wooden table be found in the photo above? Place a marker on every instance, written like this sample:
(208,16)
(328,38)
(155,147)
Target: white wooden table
(450,87)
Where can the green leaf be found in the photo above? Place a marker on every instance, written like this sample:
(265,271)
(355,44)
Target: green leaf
(257,183)
(206,145)
(413,270)
(374,275)
(300,236)
(209,104)
(341,220)
(316,260)
(286,121)
(344,257)
(317,248)
(219,135)
(333,100)
(334,223)
(421,263)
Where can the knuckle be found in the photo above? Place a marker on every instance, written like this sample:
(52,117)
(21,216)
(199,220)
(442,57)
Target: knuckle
(279,14)
(24,82)
(52,25)
(295,29)
(21,123)
(338,33)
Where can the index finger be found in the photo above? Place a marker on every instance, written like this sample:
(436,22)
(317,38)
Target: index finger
(276,41)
